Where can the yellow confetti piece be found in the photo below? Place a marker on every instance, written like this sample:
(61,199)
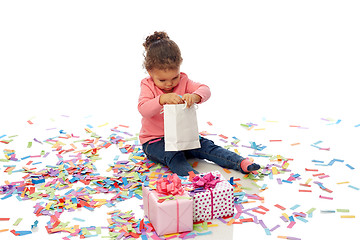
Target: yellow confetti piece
(274,170)
(48,206)
(286,165)
(285,215)
(103,125)
(347,216)
(170,235)
(212,225)
(343,182)
(308,181)
(259,129)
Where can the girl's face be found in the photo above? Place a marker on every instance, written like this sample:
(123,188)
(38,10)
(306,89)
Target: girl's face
(166,80)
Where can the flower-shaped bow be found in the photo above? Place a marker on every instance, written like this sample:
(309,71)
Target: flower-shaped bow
(171,185)
(205,182)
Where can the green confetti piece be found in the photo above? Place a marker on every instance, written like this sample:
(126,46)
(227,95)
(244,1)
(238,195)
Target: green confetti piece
(85,231)
(311,210)
(342,210)
(131,139)
(17,221)
(205,226)
(29,145)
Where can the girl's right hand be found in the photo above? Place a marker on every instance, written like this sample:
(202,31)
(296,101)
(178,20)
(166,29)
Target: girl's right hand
(170,98)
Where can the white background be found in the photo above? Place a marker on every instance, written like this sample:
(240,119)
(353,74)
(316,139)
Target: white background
(290,61)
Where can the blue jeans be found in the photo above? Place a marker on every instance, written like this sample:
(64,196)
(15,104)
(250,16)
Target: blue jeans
(177,160)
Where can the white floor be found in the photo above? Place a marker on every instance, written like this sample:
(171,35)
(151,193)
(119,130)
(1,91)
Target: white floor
(341,138)
(273,63)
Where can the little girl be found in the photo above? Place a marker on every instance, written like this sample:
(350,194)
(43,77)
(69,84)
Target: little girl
(165,85)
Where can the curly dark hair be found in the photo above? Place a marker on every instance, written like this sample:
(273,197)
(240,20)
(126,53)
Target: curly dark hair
(161,52)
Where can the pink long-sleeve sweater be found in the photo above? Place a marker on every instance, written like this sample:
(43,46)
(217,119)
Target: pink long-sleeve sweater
(150,107)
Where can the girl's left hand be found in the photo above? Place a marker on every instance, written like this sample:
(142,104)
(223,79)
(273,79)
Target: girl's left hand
(191,99)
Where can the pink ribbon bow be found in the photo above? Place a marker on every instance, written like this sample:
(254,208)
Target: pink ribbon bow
(171,185)
(206,182)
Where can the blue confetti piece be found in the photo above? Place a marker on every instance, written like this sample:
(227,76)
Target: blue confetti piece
(231,181)
(319,164)
(89,208)
(302,219)
(351,186)
(204,233)
(271,176)
(315,146)
(7,196)
(78,219)
(317,161)
(295,207)
(124,179)
(37,181)
(349,166)
(22,233)
(138,196)
(35,224)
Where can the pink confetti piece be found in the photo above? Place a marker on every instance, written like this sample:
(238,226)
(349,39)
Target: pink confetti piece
(323,197)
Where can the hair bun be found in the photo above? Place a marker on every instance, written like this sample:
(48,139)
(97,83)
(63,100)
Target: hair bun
(154,37)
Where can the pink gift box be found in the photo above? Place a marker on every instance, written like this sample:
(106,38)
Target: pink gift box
(216,202)
(170,216)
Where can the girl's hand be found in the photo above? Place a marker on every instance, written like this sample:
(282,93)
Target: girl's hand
(191,99)
(170,98)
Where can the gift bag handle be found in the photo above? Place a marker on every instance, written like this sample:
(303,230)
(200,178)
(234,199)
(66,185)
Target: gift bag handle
(195,106)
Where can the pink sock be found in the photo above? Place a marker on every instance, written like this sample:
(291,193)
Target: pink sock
(244,164)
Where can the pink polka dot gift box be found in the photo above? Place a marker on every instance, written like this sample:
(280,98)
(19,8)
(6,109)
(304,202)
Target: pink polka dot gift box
(213,196)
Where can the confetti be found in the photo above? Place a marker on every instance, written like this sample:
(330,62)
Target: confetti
(75,158)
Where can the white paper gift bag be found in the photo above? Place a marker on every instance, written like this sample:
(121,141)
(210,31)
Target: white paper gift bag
(180,127)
